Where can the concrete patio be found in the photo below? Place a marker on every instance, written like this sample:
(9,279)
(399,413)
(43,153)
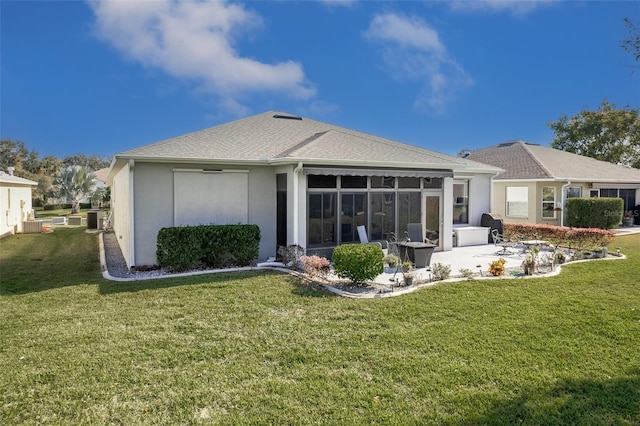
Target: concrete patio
(474,258)
(477,258)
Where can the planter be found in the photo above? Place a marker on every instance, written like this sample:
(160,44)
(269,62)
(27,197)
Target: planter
(599,254)
(408,280)
(627,221)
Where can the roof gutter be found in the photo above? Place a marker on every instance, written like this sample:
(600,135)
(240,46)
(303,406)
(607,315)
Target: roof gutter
(323,161)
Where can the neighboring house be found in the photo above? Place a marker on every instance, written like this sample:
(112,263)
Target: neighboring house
(101,177)
(15,202)
(301,181)
(100,183)
(537,181)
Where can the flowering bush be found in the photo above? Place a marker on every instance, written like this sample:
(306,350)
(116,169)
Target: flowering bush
(496,267)
(315,265)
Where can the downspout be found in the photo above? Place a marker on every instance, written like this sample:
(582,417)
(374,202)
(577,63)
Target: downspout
(564,199)
(132,216)
(491,210)
(296,207)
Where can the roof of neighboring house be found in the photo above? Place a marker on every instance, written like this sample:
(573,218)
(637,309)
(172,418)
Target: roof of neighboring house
(15,180)
(522,160)
(276,137)
(102,174)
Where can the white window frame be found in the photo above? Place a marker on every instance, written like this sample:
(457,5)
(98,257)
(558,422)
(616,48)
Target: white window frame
(511,197)
(461,201)
(552,203)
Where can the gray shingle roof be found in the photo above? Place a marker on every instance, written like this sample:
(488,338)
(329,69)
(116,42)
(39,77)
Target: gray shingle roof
(521,160)
(264,137)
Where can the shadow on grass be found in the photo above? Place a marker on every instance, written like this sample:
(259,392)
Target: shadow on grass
(219,280)
(598,402)
(305,288)
(38,262)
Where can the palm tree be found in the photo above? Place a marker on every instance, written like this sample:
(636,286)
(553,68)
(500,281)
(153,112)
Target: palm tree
(74,183)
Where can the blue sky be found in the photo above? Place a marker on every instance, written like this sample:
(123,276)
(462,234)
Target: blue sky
(102,77)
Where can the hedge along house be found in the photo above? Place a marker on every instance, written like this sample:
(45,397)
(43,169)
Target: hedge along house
(301,181)
(537,181)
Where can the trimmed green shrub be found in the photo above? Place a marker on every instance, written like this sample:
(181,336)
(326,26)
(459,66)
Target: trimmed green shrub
(358,262)
(184,247)
(603,213)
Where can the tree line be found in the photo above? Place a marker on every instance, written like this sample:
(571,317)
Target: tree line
(66,178)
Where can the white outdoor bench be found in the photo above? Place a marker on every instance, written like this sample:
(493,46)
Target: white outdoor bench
(75,220)
(59,220)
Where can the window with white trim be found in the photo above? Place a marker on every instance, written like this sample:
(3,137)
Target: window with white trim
(517,201)
(548,202)
(461,202)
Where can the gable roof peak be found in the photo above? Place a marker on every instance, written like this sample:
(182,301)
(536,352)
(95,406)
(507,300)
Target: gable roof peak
(516,141)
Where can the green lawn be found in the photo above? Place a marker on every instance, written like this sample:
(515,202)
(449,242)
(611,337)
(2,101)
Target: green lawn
(262,348)
(42,214)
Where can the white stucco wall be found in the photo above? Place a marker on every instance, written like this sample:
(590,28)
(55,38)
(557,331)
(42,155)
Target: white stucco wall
(121,211)
(155,203)
(15,205)
(480,190)
(262,207)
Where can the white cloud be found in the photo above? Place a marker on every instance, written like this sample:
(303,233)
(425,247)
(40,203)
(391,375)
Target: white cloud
(340,3)
(406,32)
(195,40)
(412,50)
(517,7)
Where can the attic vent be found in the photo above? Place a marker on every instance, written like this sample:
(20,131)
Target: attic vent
(288,117)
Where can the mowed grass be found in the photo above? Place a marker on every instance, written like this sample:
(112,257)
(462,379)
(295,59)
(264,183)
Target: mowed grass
(262,348)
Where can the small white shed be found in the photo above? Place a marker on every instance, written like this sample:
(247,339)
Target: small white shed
(15,202)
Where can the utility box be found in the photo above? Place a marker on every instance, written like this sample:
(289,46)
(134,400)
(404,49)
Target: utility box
(92,219)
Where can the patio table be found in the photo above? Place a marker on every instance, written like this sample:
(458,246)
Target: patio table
(528,244)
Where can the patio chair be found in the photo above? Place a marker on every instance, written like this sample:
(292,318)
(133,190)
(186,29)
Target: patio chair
(364,239)
(500,241)
(414,232)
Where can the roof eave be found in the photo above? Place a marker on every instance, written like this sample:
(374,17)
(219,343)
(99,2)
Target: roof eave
(458,167)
